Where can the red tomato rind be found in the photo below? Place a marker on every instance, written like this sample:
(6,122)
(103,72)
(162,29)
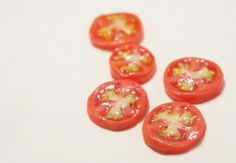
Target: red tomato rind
(194,97)
(110,45)
(118,125)
(141,76)
(165,146)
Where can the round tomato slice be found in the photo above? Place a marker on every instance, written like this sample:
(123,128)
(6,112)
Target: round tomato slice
(132,61)
(173,128)
(108,31)
(117,105)
(193,80)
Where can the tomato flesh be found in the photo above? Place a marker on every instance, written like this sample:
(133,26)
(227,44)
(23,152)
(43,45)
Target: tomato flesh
(111,30)
(173,128)
(132,62)
(193,80)
(117,105)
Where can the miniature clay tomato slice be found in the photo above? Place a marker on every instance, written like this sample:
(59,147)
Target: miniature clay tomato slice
(193,80)
(132,61)
(108,31)
(117,105)
(173,128)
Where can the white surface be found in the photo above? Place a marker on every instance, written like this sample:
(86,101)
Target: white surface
(48,68)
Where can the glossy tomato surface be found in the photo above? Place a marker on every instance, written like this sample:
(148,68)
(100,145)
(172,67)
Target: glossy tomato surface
(193,80)
(110,30)
(132,61)
(173,128)
(117,105)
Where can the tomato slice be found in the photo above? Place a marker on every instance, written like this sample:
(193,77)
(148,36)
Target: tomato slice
(110,30)
(173,128)
(117,105)
(193,80)
(133,62)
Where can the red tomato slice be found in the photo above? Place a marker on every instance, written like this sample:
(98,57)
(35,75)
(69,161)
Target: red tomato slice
(108,31)
(193,80)
(118,105)
(173,128)
(132,61)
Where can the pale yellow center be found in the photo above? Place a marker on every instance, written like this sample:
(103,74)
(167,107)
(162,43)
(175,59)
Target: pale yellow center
(120,102)
(118,22)
(134,59)
(188,83)
(175,121)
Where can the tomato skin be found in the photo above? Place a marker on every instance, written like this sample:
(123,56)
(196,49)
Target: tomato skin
(197,96)
(165,146)
(111,44)
(139,76)
(123,124)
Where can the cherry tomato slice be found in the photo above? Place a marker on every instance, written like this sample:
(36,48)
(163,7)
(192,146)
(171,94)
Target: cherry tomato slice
(173,128)
(110,30)
(133,62)
(193,80)
(117,105)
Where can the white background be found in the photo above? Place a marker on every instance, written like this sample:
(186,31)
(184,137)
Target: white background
(48,68)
